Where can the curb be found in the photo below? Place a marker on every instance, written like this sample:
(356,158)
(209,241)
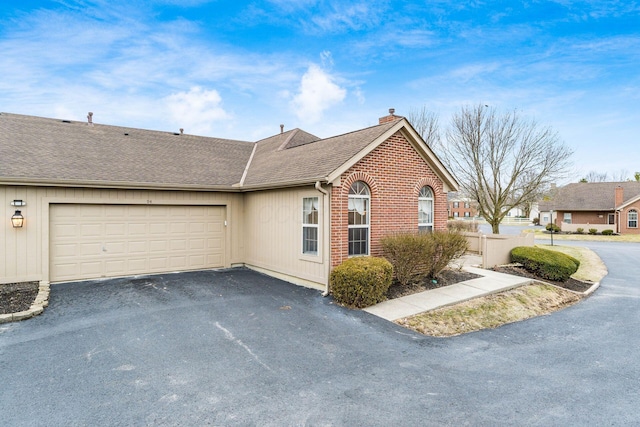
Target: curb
(37,307)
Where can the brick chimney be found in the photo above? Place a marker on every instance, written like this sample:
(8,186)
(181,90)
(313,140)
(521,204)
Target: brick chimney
(391,117)
(619,196)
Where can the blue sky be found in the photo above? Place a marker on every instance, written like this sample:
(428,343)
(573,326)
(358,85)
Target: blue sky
(240,69)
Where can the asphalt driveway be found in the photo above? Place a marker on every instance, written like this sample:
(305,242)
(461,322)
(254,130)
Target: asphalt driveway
(239,348)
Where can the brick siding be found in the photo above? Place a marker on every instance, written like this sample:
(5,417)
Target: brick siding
(395,173)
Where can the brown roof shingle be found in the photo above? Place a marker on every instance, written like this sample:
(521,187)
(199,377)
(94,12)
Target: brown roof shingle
(50,150)
(35,150)
(309,161)
(590,196)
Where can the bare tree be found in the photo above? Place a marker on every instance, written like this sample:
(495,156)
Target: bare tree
(621,176)
(594,176)
(426,123)
(502,160)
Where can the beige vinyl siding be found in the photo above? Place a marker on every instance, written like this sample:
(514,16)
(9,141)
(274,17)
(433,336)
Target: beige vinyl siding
(25,251)
(273,236)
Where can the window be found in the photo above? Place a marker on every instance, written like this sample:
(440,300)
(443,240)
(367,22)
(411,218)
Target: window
(359,199)
(455,204)
(611,219)
(632,216)
(567,218)
(425,209)
(467,214)
(456,214)
(467,205)
(310,225)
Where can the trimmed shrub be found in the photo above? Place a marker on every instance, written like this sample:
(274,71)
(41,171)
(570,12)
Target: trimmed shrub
(362,281)
(607,232)
(579,230)
(554,227)
(536,221)
(593,230)
(416,256)
(545,263)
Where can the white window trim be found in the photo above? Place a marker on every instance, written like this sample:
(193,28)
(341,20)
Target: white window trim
(366,197)
(629,218)
(432,199)
(316,258)
(306,225)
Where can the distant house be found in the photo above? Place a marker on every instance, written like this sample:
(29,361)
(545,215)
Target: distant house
(599,205)
(85,201)
(461,207)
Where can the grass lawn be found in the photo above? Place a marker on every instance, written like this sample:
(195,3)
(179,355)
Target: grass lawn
(510,306)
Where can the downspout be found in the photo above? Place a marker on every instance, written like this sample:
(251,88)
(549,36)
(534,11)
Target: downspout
(327,247)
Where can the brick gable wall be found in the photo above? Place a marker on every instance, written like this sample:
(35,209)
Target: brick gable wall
(395,173)
(624,220)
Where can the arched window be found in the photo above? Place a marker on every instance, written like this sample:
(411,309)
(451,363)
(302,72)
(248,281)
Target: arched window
(359,198)
(425,209)
(632,217)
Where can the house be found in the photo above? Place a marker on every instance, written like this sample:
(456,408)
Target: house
(598,205)
(461,207)
(83,200)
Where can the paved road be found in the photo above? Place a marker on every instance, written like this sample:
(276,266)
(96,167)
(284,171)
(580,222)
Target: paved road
(239,348)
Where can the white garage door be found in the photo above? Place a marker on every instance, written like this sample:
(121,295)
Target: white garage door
(92,241)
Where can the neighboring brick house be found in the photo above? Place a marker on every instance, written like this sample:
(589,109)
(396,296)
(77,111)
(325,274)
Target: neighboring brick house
(106,201)
(599,205)
(460,207)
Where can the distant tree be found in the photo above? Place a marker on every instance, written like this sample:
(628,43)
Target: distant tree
(502,160)
(623,175)
(637,176)
(426,123)
(594,176)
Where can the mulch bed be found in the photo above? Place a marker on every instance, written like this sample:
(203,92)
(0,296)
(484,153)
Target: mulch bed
(571,284)
(445,278)
(15,297)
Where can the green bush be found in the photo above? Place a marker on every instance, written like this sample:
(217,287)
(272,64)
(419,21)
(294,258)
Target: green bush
(416,256)
(536,221)
(361,281)
(579,230)
(593,230)
(552,226)
(545,263)
(607,232)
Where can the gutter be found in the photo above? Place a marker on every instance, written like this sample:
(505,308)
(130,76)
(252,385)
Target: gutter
(318,187)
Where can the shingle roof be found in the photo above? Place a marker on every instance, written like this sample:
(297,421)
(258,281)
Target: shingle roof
(35,150)
(590,196)
(50,150)
(274,163)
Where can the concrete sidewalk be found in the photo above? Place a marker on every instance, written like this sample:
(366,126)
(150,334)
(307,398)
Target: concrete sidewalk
(491,282)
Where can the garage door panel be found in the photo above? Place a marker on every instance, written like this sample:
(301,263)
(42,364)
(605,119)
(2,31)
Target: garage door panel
(89,249)
(91,269)
(117,229)
(92,241)
(139,247)
(158,246)
(91,230)
(158,264)
(158,228)
(137,229)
